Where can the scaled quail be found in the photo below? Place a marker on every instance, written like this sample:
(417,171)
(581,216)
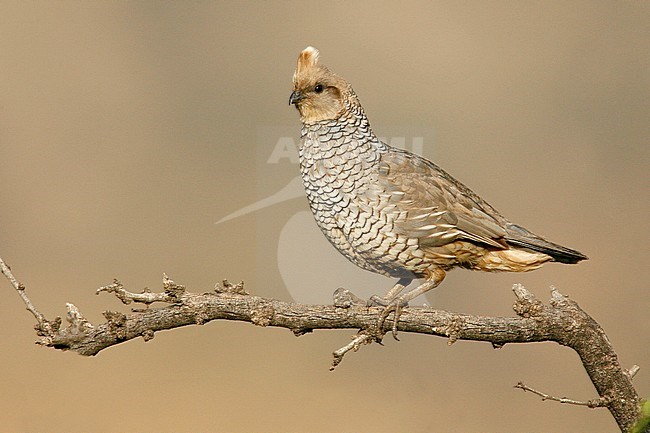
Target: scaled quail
(393,212)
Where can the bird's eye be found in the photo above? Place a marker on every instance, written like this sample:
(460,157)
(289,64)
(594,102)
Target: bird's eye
(319,88)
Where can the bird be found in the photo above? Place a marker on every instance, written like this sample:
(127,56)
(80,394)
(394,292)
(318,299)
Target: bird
(393,212)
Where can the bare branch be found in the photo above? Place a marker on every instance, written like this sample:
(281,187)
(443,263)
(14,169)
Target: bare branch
(44,328)
(599,402)
(562,321)
(357,341)
(632,371)
(170,295)
(6,270)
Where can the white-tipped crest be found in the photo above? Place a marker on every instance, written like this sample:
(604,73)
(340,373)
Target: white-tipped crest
(308,58)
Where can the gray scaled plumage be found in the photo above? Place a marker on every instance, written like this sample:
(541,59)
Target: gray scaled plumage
(393,212)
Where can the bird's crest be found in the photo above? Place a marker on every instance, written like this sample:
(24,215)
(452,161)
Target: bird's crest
(308,57)
(307,60)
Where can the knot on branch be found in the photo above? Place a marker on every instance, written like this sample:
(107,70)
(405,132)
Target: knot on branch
(78,323)
(48,328)
(116,324)
(76,331)
(343,298)
(299,332)
(526,305)
(560,301)
(172,290)
(227,287)
(202,316)
(454,329)
(148,335)
(262,315)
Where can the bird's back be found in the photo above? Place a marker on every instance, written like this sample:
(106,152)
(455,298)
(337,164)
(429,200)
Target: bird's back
(445,216)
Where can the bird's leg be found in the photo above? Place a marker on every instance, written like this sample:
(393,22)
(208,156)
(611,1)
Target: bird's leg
(375,300)
(433,279)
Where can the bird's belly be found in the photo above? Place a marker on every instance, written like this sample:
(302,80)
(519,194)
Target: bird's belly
(364,234)
(358,222)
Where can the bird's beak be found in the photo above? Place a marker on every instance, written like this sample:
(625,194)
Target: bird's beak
(296,96)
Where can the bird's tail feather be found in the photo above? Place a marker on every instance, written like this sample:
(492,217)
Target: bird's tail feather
(522,238)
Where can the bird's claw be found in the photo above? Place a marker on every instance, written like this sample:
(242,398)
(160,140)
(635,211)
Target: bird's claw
(394,306)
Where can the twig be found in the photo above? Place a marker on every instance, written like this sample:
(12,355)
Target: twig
(20,288)
(171,294)
(632,371)
(44,328)
(599,402)
(357,341)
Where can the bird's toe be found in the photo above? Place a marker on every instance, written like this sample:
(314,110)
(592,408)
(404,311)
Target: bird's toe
(378,301)
(395,306)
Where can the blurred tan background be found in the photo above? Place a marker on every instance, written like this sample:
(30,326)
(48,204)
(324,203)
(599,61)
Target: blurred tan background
(127,129)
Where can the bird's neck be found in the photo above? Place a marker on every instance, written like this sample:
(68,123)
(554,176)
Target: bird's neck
(339,158)
(350,130)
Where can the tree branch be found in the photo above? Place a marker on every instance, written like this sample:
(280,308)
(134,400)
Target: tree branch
(599,402)
(562,321)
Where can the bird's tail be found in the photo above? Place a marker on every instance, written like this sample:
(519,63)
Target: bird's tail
(522,238)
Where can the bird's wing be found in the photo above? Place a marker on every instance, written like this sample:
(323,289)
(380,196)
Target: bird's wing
(433,206)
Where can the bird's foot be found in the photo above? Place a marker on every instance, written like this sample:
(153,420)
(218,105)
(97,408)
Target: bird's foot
(395,306)
(378,301)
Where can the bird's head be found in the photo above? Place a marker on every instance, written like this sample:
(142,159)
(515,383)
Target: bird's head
(318,93)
